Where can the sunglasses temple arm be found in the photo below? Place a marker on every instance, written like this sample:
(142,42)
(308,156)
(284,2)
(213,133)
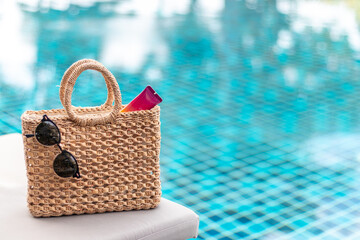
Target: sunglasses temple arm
(45,117)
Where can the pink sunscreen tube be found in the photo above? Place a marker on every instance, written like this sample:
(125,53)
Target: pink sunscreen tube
(146,100)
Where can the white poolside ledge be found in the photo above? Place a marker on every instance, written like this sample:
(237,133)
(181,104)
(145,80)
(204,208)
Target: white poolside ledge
(168,221)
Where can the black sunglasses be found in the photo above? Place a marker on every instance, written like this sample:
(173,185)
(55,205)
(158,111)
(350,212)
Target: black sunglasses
(47,133)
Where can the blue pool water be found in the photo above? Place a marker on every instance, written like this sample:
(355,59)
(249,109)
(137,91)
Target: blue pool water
(261,111)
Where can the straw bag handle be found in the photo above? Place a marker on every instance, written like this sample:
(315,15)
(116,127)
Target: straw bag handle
(67,86)
(70,70)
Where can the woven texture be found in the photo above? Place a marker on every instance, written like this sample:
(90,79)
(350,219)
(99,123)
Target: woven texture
(118,158)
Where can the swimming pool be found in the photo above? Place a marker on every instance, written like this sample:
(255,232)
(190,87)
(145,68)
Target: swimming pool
(260,119)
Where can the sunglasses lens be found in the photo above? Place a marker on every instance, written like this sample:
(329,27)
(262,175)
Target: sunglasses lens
(47,133)
(65,164)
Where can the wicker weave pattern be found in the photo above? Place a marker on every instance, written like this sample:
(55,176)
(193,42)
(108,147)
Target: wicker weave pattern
(119,163)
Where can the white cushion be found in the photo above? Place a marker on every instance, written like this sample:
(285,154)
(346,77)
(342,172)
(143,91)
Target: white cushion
(168,221)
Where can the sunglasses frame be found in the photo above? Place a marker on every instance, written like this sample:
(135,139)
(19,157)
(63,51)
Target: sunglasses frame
(46,118)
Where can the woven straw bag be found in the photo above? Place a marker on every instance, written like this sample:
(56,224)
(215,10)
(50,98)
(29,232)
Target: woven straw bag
(117,154)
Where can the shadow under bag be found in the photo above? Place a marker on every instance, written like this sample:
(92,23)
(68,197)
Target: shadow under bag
(91,159)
